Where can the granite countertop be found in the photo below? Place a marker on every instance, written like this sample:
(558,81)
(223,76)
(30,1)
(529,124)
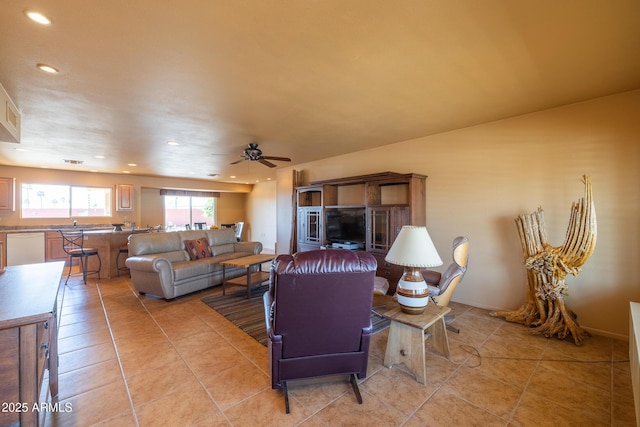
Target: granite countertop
(99,229)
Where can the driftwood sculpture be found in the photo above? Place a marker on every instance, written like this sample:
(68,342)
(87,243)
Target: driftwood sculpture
(547,267)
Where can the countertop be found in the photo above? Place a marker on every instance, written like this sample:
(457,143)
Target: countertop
(109,230)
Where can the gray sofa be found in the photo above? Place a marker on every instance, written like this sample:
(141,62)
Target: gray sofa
(161,265)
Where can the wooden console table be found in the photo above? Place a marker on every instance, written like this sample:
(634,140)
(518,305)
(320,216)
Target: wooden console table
(247,262)
(28,338)
(408,333)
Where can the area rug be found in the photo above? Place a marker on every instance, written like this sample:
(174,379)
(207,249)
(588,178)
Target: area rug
(248,314)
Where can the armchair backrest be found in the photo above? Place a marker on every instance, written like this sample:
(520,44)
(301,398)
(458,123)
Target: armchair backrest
(460,251)
(322,301)
(239,228)
(455,272)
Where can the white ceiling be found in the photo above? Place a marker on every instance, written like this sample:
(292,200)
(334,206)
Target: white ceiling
(305,79)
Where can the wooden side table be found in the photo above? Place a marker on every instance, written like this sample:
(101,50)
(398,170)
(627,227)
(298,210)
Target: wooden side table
(408,333)
(251,278)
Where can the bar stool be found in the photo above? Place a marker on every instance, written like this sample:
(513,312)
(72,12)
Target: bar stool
(122,250)
(200,225)
(73,245)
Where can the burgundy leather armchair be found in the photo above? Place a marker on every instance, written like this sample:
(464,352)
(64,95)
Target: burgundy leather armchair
(318,316)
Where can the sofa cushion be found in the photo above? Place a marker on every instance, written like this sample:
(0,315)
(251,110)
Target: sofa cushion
(183,270)
(198,248)
(221,236)
(223,249)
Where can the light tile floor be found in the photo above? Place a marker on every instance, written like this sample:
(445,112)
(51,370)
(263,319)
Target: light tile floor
(131,360)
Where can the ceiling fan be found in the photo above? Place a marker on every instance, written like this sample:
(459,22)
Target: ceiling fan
(253,153)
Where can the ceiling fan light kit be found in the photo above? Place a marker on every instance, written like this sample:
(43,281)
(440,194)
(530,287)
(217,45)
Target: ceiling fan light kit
(254,154)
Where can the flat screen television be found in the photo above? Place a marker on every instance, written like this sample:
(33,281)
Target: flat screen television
(346,225)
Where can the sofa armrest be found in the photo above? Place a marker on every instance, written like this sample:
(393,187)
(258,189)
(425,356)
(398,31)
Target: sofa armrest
(251,247)
(152,274)
(149,263)
(268,303)
(274,342)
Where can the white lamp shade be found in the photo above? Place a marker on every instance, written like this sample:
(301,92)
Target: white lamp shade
(413,248)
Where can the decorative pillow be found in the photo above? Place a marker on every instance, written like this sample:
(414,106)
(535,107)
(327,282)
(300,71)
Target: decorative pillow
(198,248)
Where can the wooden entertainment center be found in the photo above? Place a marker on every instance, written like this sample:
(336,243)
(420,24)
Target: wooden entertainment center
(386,201)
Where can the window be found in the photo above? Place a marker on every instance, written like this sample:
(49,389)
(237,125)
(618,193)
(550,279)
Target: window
(180,211)
(65,201)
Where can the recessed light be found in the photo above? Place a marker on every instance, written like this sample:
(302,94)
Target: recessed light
(232,176)
(20,149)
(131,164)
(37,17)
(48,69)
(99,157)
(126,172)
(172,143)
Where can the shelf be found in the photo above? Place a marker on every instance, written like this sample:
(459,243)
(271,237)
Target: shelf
(345,207)
(309,196)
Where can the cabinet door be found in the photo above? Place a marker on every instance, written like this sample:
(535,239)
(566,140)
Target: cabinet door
(7,194)
(124,197)
(384,224)
(310,226)
(53,249)
(10,374)
(379,229)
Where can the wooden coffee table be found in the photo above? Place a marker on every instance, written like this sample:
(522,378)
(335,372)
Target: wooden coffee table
(250,278)
(408,333)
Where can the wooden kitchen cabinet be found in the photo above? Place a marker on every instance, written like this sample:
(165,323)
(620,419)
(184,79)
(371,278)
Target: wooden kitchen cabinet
(124,197)
(7,194)
(53,247)
(3,250)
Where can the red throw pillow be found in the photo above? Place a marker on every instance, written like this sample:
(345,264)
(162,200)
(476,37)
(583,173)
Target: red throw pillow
(198,248)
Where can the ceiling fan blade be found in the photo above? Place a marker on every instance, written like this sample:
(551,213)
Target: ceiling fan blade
(282,159)
(266,163)
(237,161)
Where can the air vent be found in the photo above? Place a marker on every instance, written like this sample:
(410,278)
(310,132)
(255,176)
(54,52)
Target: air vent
(74,162)
(9,118)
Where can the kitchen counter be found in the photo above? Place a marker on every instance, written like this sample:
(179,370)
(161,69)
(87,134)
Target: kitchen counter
(87,230)
(104,238)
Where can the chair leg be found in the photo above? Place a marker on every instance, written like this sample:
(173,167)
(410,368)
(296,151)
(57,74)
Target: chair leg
(286,396)
(70,267)
(85,265)
(354,383)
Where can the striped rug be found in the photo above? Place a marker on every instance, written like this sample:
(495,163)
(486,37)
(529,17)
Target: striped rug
(248,314)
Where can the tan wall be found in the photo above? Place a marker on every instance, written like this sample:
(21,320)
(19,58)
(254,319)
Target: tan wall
(261,209)
(480,178)
(148,207)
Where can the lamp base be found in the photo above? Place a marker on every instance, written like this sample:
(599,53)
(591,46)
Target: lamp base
(413,293)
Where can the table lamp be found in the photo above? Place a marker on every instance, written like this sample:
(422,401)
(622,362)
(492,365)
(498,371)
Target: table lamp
(414,250)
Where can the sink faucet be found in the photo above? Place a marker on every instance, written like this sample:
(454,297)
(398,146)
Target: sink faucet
(75,223)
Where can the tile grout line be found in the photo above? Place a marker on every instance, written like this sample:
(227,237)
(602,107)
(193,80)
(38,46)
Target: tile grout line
(115,348)
(179,354)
